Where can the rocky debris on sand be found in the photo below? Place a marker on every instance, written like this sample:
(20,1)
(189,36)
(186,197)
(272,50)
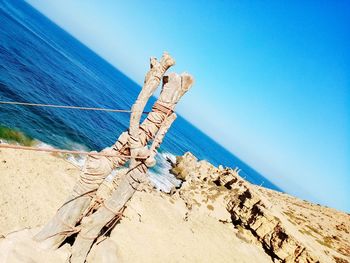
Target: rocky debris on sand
(258,219)
(214,216)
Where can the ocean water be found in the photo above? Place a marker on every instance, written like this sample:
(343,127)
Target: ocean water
(41,63)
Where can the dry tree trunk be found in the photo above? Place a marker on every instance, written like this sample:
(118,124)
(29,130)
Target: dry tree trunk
(97,168)
(174,87)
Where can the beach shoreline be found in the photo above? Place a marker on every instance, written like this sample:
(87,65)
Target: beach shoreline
(34,185)
(192,224)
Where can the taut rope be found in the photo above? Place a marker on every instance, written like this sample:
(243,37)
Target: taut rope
(64,106)
(19,147)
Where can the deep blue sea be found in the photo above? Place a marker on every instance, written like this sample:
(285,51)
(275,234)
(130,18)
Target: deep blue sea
(41,63)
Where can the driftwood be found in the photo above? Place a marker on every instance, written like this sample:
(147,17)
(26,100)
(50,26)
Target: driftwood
(97,168)
(134,143)
(174,87)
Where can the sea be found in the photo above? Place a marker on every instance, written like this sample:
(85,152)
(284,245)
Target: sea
(42,63)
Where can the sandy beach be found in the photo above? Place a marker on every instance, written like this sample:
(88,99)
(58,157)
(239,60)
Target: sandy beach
(155,228)
(194,224)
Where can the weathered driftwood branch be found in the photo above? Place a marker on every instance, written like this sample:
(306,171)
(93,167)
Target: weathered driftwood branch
(174,87)
(92,225)
(151,161)
(97,167)
(151,83)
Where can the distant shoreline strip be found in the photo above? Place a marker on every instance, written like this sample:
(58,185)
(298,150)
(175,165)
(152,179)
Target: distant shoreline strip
(65,107)
(27,148)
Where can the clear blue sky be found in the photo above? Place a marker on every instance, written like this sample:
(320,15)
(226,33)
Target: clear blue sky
(272,77)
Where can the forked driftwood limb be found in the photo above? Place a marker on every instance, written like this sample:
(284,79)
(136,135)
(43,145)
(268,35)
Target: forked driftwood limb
(97,168)
(174,87)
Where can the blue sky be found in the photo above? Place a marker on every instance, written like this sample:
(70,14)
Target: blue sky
(272,77)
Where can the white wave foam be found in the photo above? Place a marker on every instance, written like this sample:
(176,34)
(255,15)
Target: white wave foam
(3,141)
(43,145)
(75,159)
(160,176)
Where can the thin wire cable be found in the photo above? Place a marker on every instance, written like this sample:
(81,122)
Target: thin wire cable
(65,106)
(27,148)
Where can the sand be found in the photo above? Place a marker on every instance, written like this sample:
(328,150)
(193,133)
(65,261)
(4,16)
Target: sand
(155,228)
(33,186)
